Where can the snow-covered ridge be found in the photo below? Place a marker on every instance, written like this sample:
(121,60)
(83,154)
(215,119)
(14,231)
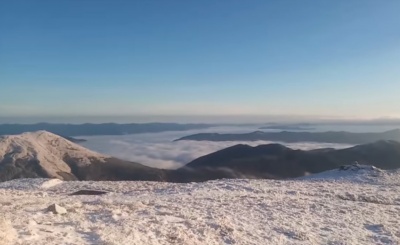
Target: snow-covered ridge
(47,148)
(357,173)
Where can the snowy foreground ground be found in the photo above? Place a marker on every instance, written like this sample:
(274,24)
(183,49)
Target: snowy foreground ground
(362,209)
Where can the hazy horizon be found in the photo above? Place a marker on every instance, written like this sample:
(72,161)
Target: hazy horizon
(208,119)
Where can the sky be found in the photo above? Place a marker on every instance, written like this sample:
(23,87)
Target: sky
(288,58)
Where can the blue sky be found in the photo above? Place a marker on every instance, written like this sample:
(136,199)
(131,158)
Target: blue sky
(119,58)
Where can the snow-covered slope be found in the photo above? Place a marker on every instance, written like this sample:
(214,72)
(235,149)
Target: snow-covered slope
(44,146)
(214,212)
(46,155)
(48,150)
(357,173)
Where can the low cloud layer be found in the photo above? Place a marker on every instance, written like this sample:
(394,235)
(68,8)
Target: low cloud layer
(158,149)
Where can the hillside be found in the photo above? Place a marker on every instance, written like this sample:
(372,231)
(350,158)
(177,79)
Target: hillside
(278,161)
(335,210)
(46,155)
(291,137)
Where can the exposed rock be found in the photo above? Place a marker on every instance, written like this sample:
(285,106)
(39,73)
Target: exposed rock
(88,192)
(56,209)
(356,166)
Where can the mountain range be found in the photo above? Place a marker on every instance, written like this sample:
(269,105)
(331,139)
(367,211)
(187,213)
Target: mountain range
(89,129)
(294,127)
(340,137)
(46,155)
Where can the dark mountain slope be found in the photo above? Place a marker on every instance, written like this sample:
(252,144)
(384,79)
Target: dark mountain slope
(278,161)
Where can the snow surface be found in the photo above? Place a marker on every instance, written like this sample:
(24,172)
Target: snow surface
(357,173)
(334,210)
(49,149)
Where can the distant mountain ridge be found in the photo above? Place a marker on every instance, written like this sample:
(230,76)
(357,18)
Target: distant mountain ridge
(341,137)
(295,127)
(89,129)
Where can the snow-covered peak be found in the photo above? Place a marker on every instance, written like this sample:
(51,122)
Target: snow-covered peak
(38,136)
(41,134)
(48,149)
(41,142)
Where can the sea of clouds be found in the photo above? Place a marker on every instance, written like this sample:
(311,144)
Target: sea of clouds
(159,149)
